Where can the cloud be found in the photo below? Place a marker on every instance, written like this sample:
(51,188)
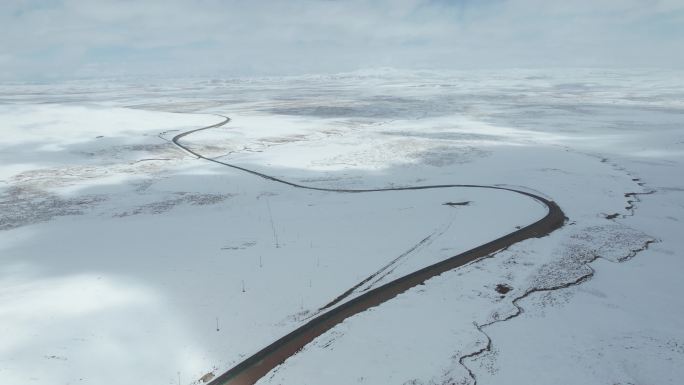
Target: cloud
(73,38)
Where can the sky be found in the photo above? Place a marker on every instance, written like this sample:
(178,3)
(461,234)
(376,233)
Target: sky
(54,39)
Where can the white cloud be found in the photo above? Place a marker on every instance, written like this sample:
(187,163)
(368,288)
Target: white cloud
(76,37)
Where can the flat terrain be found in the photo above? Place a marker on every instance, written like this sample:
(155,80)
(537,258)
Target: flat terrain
(126,259)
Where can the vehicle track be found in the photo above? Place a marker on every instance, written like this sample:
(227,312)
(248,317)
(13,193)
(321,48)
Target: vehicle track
(259,364)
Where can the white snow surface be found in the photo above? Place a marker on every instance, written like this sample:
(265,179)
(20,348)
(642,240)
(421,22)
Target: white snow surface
(126,260)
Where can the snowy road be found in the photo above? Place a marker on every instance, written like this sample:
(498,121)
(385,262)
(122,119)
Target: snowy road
(128,260)
(253,368)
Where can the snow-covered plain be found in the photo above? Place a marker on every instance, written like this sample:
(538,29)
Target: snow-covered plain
(126,260)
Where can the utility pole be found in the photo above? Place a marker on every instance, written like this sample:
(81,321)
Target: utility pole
(270,215)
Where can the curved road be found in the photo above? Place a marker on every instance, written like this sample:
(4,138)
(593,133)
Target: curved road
(253,368)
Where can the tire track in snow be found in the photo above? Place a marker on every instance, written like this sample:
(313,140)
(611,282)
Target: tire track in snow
(385,270)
